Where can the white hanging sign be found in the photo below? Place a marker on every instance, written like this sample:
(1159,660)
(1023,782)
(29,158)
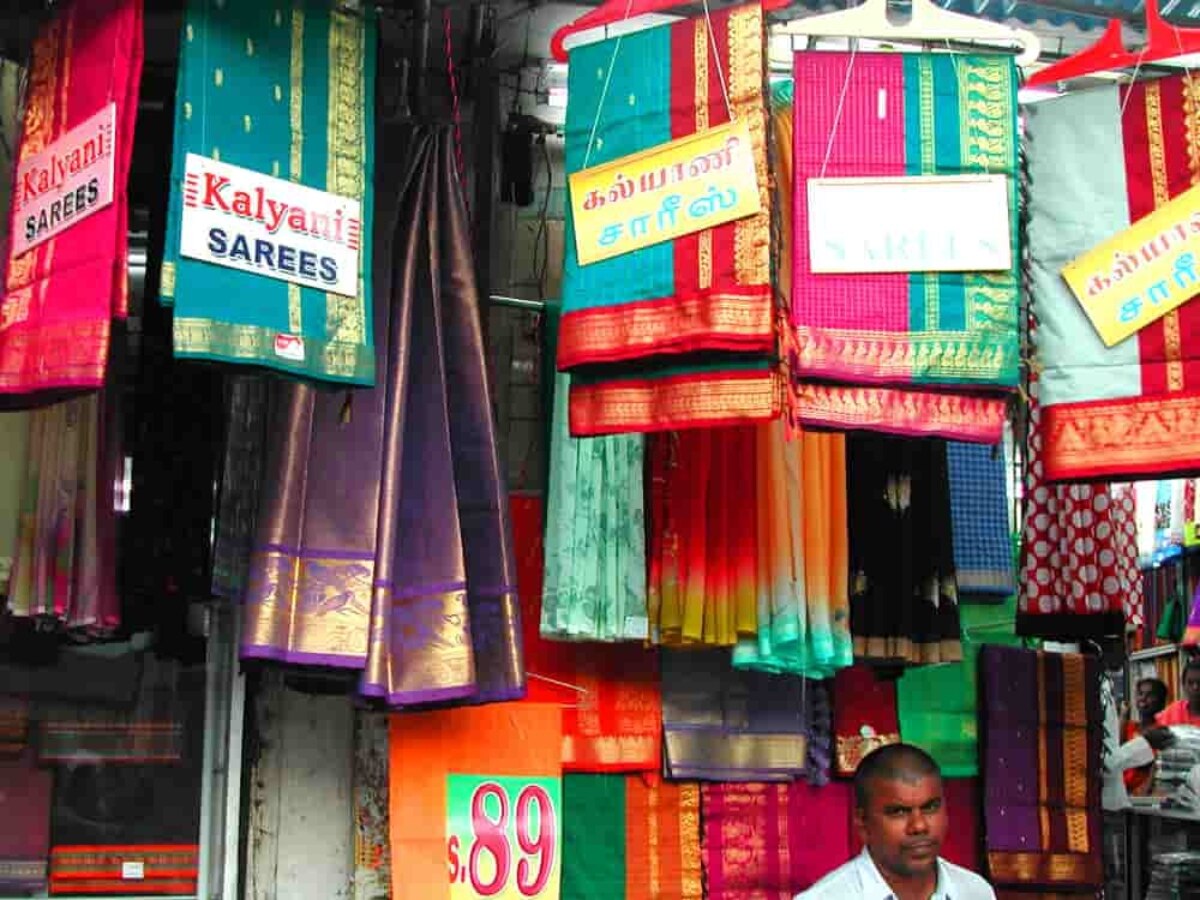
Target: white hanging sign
(246,220)
(939,223)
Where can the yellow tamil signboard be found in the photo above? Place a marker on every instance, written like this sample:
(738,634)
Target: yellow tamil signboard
(1141,274)
(664,192)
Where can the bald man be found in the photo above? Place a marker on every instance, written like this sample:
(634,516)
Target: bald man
(901,821)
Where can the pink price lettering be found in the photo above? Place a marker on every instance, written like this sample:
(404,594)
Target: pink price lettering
(535,853)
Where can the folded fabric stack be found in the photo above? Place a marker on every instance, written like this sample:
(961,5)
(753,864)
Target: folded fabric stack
(910,353)
(681,333)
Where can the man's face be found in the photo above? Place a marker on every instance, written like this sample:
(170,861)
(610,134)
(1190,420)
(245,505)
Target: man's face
(904,824)
(1191,687)
(1147,699)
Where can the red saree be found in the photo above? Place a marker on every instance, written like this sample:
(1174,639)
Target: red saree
(609,693)
(61,296)
(865,717)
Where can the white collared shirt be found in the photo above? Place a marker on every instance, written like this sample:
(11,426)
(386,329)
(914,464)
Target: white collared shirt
(860,878)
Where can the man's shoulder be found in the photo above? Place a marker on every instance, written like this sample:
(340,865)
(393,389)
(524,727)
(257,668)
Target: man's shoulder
(971,885)
(834,885)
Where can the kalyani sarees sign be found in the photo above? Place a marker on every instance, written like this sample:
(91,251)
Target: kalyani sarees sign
(246,220)
(65,182)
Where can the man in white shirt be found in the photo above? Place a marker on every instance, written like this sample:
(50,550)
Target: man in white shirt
(902,821)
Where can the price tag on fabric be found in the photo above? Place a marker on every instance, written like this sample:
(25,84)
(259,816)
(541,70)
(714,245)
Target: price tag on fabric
(503,837)
(1141,274)
(664,192)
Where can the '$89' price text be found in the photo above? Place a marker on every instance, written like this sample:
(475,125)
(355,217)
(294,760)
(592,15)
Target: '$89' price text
(507,847)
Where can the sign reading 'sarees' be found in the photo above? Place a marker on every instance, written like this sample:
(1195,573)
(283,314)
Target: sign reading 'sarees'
(65,182)
(246,220)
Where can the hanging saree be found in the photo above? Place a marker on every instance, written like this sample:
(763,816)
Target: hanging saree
(65,565)
(383,542)
(803,602)
(61,296)
(286,92)
(610,694)
(241,483)
(938,705)
(864,715)
(1127,410)
(882,341)
(720,724)
(1043,730)
(25,810)
(428,749)
(1071,580)
(979,517)
(903,597)
(770,841)
(681,333)
(1124,523)
(703,567)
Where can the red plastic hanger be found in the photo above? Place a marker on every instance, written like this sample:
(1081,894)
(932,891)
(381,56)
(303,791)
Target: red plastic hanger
(1163,41)
(614,11)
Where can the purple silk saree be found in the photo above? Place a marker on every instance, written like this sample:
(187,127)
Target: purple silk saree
(383,537)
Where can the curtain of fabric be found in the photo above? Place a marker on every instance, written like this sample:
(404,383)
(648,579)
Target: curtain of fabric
(61,296)
(907,353)
(383,538)
(287,92)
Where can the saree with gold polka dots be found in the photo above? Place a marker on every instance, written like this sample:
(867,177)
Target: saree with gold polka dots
(681,333)
(285,90)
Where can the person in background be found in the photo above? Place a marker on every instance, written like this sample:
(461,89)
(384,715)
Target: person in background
(901,820)
(1150,698)
(1187,710)
(1120,755)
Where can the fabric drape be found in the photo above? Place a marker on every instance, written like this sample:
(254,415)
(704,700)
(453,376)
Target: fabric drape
(1043,730)
(610,695)
(903,590)
(61,297)
(383,538)
(1126,410)
(681,333)
(720,724)
(25,790)
(979,518)
(770,841)
(864,715)
(907,353)
(801,586)
(288,91)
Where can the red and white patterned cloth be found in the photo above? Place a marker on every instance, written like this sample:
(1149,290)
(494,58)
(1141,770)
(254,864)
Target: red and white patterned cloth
(1125,524)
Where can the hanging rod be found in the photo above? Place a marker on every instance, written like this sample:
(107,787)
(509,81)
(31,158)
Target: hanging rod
(519,302)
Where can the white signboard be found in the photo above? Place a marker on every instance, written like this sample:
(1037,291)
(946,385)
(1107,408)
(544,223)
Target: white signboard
(950,223)
(66,182)
(245,220)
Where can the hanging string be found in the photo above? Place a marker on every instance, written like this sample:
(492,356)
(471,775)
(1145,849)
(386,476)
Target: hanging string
(612,64)
(456,111)
(841,104)
(712,39)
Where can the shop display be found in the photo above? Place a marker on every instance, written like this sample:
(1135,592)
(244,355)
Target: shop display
(1042,731)
(383,543)
(903,591)
(871,347)
(25,791)
(1119,411)
(682,333)
(802,589)
(983,557)
(864,715)
(287,94)
(55,336)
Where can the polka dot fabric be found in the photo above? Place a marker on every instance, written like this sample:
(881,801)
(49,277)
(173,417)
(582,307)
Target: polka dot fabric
(1125,526)
(1074,569)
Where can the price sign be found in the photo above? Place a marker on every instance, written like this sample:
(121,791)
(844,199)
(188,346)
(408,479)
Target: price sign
(503,837)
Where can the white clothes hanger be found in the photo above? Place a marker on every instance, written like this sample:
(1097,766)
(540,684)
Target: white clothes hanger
(928,22)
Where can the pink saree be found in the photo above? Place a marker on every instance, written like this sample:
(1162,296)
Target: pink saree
(61,296)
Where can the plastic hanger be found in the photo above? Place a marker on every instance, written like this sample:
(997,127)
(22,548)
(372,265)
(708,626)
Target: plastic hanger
(1163,41)
(928,22)
(612,11)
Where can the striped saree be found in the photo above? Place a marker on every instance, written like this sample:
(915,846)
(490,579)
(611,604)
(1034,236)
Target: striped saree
(285,90)
(909,353)
(681,333)
(60,297)
(1130,410)
(1043,730)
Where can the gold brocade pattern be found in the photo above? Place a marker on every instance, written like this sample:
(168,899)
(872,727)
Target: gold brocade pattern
(617,407)
(744,318)
(759,751)
(1044,868)
(608,750)
(313,606)
(1172,340)
(950,353)
(915,412)
(689,839)
(70,346)
(1122,436)
(700,51)
(1191,112)
(1043,756)
(747,50)
(852,750)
